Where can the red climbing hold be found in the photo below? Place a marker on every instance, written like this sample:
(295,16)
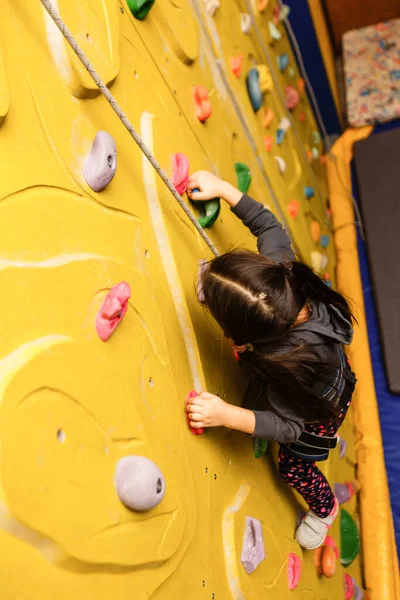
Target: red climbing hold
(293,208)
(292,97)
(302,117)
(236,64)
(192,394)
(294,570)
(112,310)
(348,587)
(203,103)
(180,173)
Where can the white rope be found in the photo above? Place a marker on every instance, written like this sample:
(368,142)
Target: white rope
(120,113)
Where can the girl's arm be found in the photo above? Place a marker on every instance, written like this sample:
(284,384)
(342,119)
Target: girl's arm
(207,410)
(272,240)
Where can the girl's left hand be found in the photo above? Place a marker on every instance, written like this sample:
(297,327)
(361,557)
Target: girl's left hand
(207,410)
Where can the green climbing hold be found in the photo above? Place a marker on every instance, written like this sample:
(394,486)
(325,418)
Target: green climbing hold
(316,137)
(243,177)
(260,447)
(349,538)
(140,8)
(209,210)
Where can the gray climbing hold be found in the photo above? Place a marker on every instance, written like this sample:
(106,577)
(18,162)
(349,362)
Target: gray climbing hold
(342,447)
(101,163)
(139,483)
(253,551)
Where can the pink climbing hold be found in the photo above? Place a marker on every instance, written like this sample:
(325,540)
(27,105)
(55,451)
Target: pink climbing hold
(348,587)
(236,64)
(192,394)
(112,309)
(294,570)
(292,97)
(180,173)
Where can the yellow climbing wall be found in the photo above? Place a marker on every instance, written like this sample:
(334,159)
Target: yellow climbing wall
(72,405)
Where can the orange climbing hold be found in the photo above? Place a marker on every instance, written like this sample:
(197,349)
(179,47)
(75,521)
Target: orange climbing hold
(325,561)
(301,85)
(322,159)
(315,231)
(302,117)
(293,208)
(202,102)
(236,64)
(262,5)
(309,155)
(268,117)
(268,141)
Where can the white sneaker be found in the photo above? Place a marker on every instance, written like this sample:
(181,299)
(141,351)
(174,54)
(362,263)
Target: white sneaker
(313,530)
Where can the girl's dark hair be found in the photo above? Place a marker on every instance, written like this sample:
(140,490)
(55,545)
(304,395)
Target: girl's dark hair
(257,302)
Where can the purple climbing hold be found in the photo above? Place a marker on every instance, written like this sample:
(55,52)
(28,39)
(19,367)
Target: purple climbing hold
(358,592)
(253,551)
(139,483)
(101,163)
(342,447)
(343,491)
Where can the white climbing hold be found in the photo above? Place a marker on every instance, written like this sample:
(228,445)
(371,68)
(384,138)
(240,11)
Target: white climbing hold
(211,6)
(281,164)
(274,31)
(284,12)
(316,261)
(324,262)
(101,163)
(253,551)
(139,483)
(284,124)
(245,22)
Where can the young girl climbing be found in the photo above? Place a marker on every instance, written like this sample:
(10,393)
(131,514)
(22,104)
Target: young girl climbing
(288,328)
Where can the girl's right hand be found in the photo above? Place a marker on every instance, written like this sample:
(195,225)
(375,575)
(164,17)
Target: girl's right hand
(210,186)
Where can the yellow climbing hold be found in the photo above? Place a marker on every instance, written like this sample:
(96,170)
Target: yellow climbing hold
(265,79)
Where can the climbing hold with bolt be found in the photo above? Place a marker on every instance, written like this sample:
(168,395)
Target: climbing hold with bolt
(243,175)
(293,571)
(200,431)
(100,165)
(139,483)
(245,23)
(112,310)
(309,192)
(202,103)
(236,64)
(253,551)
(180,172)
(292,97)
(283,61)
(140,8)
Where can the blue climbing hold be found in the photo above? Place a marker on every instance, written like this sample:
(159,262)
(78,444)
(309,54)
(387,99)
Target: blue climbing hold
(283,61)
(280,136)
(309,192)
(253,89)
(324,241)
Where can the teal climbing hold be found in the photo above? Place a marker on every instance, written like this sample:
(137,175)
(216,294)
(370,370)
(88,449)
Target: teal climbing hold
(309,192)
(349,538)
(280,136)
(324,241)
(260,447)
(291,72)
(316,137)
(315,153)
(283,61)
(243,177)
(274,31)
(140,8)
(209,210)
(253,89)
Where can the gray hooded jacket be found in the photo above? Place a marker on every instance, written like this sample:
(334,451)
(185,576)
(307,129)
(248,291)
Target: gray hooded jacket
(326,329)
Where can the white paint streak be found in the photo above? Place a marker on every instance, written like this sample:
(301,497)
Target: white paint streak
(57,45)
(167,257)
(49,263)
(228,536)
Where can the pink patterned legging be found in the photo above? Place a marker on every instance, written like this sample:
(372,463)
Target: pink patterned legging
(305,476)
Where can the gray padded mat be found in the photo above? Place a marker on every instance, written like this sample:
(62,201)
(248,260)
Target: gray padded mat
(377,162)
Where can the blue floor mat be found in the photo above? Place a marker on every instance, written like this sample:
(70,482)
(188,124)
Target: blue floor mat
(388,403)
